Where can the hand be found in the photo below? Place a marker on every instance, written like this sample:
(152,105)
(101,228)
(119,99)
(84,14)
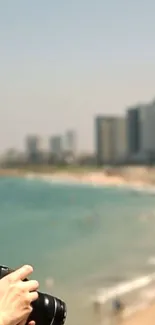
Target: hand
(32,322)
(24,322)
(16,296)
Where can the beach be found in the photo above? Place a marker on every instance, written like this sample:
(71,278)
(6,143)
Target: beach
(75,213)
(118,176)
(146,316)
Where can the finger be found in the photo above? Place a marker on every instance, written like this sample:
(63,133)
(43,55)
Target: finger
(33,296)
(32,322)
(23,322)
(30,285)
(21,273)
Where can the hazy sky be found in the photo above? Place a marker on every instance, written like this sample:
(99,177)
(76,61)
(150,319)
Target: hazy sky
(63,61)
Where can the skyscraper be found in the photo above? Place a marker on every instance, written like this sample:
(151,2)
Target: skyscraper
(134,130)
(148,129)
(33,148)
(71,142)
(110,138)
(102,139)
(120,139)
(56,147)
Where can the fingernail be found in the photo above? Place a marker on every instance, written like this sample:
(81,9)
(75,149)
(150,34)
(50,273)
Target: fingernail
(29,267)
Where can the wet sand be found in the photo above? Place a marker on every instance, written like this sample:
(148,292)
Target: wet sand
(129,176)
(144,317)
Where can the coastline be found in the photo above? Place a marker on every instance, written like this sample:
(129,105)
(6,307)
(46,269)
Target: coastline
(138,178)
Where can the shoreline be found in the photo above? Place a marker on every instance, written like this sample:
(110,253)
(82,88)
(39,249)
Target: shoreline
(144,284)
(134,178)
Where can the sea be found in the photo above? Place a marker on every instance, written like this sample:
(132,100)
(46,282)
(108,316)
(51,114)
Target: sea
(82,240)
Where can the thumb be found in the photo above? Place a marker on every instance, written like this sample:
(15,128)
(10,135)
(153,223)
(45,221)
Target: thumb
(32,322)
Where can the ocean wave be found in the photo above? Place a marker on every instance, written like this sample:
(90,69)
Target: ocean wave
(30,176)
(98,279)
(56,180)
(52,179)
(104,295)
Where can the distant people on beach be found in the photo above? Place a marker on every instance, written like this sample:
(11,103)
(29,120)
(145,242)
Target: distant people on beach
(117,312)
(117,305)
(117,309)
(97,307)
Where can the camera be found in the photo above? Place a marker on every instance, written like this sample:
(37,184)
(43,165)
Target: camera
(47,310)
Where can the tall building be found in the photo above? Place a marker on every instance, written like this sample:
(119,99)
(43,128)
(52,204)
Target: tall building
(71,142)
(111,144)
(102,135)
(33,148)
(134,130)
(148,130)
(56,147)
(120,139)
(141,131)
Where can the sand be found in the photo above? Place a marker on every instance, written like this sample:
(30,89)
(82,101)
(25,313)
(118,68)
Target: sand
(130,176)
(144,317)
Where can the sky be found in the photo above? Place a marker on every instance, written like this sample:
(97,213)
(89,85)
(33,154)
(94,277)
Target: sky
(64,61)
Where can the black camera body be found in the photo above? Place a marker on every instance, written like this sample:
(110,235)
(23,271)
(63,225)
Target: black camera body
(47,310)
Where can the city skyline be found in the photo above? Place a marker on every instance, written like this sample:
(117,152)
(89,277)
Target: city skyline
(76,60)
(70,137)
(128,138)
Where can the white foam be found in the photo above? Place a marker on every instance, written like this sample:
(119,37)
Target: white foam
(30,176)
(143,189)
(49,178)
(104,295)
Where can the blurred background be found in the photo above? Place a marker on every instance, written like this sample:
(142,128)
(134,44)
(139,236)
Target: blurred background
(77,151)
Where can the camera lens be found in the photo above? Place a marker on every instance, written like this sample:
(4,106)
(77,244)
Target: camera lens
(54,308)
(48,310)
(60,312)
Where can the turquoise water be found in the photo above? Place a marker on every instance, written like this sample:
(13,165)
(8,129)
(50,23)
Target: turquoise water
(84,237)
